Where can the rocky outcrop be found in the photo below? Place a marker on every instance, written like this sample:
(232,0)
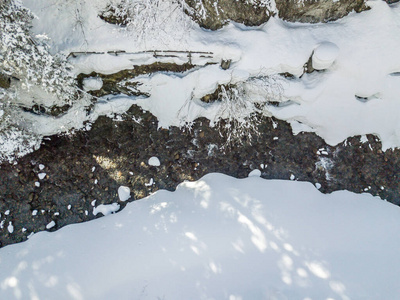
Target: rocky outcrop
(316,11)
(213,15)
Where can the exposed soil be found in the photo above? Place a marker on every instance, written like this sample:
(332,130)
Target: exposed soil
(91,165)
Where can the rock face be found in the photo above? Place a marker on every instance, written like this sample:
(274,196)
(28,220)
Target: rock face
(391,1)
(213,15)
(316,11)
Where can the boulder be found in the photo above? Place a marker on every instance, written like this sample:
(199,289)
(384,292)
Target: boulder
(5,81)
(213,15)
(317,11)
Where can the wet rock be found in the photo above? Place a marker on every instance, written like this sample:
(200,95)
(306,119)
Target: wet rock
(317,11)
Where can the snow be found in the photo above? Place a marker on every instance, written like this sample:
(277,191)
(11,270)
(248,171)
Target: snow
(10,227)
(150,183)
(154,161)
(217,238)
(106,209)
(124,193)
(365,59)
(92,83)
(51,225)
(324,55)
(255,172)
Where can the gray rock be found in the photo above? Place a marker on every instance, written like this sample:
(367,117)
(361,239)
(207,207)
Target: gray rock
(317,11)
(214,15)
(5,81)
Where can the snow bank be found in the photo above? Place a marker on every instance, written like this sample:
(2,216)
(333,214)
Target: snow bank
(217,238)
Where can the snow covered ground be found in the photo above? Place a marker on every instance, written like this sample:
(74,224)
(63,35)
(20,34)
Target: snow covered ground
(217,238)
(356,95)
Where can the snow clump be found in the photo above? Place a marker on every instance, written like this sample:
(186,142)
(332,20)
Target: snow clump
(124,193)
(92,84)
(324,55)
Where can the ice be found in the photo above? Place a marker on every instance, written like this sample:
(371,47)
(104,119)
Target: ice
(41,175)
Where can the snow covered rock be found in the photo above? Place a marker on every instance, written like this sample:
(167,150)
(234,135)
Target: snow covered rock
(324,55)
(92,84)
(311,11)
(124,193)
(154,161)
